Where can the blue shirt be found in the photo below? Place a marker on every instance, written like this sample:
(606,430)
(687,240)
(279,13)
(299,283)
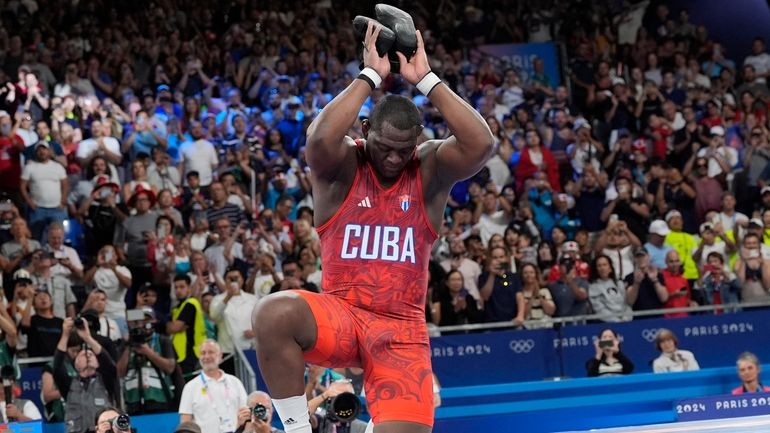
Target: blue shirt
(658,255)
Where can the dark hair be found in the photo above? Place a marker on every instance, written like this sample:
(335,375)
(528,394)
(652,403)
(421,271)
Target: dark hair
(183,277)
(165,218)
(288,261)
(399,111)
(90,169)
(595,271)
(106,409)
(717,255)
(233,269)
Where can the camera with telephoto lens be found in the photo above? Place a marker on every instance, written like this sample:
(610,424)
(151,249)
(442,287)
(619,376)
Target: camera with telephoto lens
(79,322)
(343,408)
(121,424)
(259,412)
(140,335)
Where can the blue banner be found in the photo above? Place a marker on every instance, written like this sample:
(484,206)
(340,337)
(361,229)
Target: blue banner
(31,385)
(515,356)
(722,406)
(522,58)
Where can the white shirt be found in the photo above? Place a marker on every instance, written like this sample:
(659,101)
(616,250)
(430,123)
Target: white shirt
(761,64)
(728,221)
(214,403)
(199,156)
(622,261)
(728,153)
(109,328)
(87,147)
(29,410)
(264,282)
(489,225)
(44,180)
(233,319)
(681,360)
(29,137)
(65,252)
(471,272)
(107,280)
(215,255)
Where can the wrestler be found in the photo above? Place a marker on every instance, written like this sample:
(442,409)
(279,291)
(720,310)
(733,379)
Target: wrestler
(379,205)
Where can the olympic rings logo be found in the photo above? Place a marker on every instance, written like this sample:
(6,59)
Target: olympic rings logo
(522,346)
(650,334)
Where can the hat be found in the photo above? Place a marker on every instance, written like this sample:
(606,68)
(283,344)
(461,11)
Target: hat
(624,132)
(570,247)
(314,76)
(764,190)
(640,251)
(705,226)
(4,113)
(717,130)
(639,145)
(148,312)
(757,222)
(101,181)
(146,287)
(618,81)
(142,188)
(672,213)
(162,88)
(187,427)
(22,275)
(284,78)
(716,103)
(659,227)
(580,123)
(42,143)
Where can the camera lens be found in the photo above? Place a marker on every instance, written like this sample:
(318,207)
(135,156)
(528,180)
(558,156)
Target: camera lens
(122,423)
(260,412)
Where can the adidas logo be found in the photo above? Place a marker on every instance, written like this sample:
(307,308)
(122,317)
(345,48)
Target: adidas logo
(365,202)
(290,421)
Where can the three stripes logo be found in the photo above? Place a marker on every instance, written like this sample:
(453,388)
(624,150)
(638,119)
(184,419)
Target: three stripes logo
(365,202)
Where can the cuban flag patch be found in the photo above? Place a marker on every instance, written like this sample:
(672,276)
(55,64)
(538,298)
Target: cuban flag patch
(405,199)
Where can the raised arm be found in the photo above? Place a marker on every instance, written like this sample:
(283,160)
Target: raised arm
(329,152)
(464,153)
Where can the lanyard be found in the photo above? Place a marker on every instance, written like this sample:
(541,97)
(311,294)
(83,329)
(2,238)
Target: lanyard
(207,392)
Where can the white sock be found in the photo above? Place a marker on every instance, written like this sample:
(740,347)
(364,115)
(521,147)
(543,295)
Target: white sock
(369,427)
(293,413)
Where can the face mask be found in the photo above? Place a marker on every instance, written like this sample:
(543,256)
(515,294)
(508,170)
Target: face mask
(6,129)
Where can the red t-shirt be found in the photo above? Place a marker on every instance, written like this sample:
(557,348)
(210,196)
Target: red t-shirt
(10,162)
(674,284)
(582,268)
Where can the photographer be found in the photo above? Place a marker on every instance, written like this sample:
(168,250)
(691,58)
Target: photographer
(112,420)
(258,416)
(609,360)
(146,366)
(93,388)
(325,420)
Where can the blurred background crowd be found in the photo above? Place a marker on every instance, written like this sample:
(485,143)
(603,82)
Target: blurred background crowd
(154,187)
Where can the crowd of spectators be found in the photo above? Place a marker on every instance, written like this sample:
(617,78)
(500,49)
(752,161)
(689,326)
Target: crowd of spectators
(153,181)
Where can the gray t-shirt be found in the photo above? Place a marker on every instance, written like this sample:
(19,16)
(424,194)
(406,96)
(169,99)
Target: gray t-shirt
(12,249)
(609,297)
(132,233)
(566,304)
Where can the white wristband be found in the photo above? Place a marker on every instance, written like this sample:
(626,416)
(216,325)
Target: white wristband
(428,83)
(373,76)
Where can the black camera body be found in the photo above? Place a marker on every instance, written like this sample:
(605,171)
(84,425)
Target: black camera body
(79,322)
(139,336)
(343,408)
(567,262)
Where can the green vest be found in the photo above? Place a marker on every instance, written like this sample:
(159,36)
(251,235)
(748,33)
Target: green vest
(152,384)
(179,339)
(7,359)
